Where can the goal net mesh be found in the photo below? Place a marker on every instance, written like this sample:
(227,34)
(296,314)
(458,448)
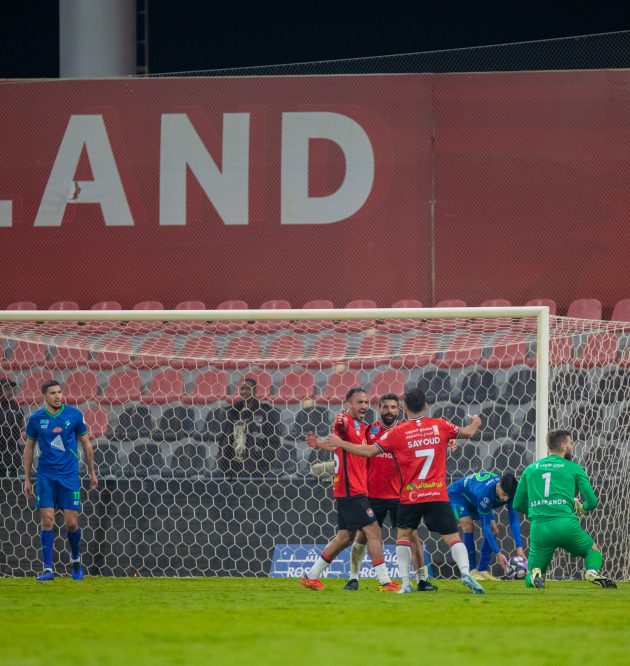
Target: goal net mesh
(193,482)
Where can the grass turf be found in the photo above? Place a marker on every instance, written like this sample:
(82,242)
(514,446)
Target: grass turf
(274,621)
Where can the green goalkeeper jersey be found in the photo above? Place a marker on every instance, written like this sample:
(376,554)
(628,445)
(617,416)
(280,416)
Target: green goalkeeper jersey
(548,487)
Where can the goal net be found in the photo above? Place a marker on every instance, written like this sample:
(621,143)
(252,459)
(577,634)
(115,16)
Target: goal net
(198,422)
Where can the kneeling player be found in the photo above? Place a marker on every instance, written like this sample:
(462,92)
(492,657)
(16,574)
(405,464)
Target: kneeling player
(474,497)
(420,446)
(384,487)
(546,494)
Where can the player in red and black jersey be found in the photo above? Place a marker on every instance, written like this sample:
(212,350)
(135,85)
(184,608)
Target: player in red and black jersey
(420,446)
(384,488)
(350,491)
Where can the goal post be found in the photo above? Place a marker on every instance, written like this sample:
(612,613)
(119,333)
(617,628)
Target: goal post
(193,486)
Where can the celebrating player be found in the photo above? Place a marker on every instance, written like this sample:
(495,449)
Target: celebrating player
(474,497)
(384,487)
(419,445)
(546,494)
(56,428)
(350,492)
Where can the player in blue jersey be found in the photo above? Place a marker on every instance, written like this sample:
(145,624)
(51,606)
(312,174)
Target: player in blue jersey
(474,497)
(57,429)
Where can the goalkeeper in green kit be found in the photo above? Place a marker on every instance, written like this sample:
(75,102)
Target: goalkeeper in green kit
(546,494)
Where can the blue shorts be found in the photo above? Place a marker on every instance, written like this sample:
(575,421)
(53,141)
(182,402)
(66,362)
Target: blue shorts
(462,508)
(58,494)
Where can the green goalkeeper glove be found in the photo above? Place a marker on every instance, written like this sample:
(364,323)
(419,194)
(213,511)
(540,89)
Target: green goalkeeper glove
(579,508)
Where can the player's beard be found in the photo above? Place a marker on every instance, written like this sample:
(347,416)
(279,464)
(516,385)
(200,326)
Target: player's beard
(388,419)
(568,455)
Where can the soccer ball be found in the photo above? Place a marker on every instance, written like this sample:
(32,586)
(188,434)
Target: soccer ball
(517,568)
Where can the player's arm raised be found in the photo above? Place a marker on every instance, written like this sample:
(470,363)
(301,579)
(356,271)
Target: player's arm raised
(27,460)
(333,442)
(471,429)
(88,454)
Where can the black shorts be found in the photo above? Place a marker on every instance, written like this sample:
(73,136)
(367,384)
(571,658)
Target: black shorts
(438,517)
(382,507)
(354,512)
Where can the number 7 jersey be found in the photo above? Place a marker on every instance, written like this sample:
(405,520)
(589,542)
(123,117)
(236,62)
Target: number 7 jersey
(420,447)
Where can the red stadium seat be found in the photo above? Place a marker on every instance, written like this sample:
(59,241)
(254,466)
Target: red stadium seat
(96,421)
(447,324)
(137,327)
(270,325)
(314,326)
(328,350)
(229,326)
(318,304)
(600,349)
(64,305)
(115,352)
(198,352)
(103,326)
(585,308)
(338,385)
(551,304)
(286,350)
(463,350)
(264,384)
(154,351)
(241,351)
(70,356)
(80,386)
(148,305)
(621,311)
(388,381)
(361,304)
(208,387)
(233,305)
(407,303)
(21,305)
(26,355)
(417,350)
(296,386)
(191,305)
(357,325)
(166,386)
(185,326)
(122,387)
(30,392)
(401,325)
(106,305)
(508,351)
(374,349)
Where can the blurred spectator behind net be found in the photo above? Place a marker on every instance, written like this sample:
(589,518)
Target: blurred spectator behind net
(249,436)
(11,428)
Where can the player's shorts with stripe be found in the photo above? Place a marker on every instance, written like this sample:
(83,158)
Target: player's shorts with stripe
(62,494)
(438,517)
(545,536)
(382,507)
(354,512)
(462,508)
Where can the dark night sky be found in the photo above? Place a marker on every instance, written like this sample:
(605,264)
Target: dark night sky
(195,34)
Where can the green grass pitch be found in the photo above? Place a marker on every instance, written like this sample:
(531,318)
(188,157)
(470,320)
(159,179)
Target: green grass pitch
(274,621)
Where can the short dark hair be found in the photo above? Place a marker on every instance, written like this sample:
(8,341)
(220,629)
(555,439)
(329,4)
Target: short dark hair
(49,384)
(415,400)
(251,381)
(508,483)
(556,438)
(352,391)
(388,396)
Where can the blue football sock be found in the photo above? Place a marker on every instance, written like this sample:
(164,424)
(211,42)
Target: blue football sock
(47,539)
(74,539)
(469,542)
(486,556)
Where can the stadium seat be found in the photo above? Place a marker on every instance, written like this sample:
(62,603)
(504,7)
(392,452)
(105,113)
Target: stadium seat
(338,385)
(446,324)
(599,349)
(436,385)
(508,351)
(313,326)
(122,387)
(417,350)
(511,458)
(241,351)
(144,460)
(135,422)
(115,352)
(493,324)
(198,352)
(64,305)
(296,386)
(407,303)
(361,304)
(388,381)
(401,325)
(357,325)
(154,352)
(478,386)
(138,327)
(191,305)
(190,460)
(29,392)
(25,355)
(285,350)
(70,356)
(328,350)
(165,386)
(175,423)
(80,386)
(270,325)
(208,387)
(233,305)
(96,420)
(106,305)
(21,305)
(374,349)
(621,311)
(585,308)
(264,384)
(229,326)
(186,326)
(318,304)
(106,460)
(520,387)
(102,327)
(551,304)
(463,350)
